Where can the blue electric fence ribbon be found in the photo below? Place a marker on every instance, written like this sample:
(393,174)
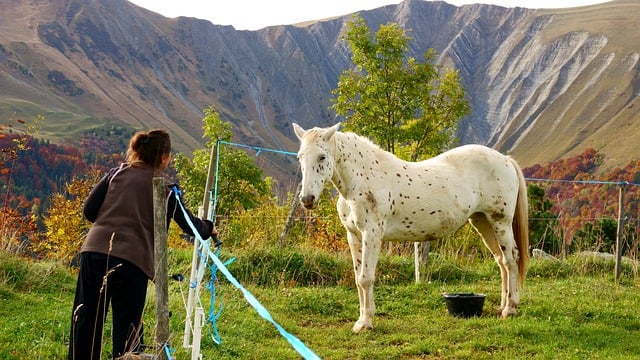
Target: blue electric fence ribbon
(298,345)
(167,350)
(257,148)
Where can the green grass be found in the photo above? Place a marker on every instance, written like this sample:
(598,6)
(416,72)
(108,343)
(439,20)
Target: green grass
(569,310)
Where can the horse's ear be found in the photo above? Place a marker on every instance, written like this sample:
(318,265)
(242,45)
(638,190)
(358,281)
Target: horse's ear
(330,131)
(298,130)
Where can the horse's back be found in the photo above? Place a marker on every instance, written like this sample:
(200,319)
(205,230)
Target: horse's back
(478,162)
(435,197)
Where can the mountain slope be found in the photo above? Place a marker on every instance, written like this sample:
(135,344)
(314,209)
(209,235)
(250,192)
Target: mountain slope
(543,84)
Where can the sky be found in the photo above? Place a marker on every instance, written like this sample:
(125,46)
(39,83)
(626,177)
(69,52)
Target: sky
(257,14)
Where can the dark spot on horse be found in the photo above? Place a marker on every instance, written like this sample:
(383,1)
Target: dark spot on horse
(431,213)
(398,175)
(497,216)
(503,248)
(371,199)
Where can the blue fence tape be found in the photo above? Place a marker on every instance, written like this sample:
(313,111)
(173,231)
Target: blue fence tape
(298,345)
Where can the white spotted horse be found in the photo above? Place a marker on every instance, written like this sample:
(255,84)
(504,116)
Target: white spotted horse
(384,198)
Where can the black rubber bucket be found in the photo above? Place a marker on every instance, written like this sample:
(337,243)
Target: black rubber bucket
(464,304)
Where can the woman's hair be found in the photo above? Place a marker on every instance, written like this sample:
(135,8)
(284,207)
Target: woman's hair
(148,148)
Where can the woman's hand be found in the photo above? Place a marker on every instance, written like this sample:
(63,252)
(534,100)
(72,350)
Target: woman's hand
(214,237)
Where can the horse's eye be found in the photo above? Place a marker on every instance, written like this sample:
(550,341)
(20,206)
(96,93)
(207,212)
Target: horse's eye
(322,157)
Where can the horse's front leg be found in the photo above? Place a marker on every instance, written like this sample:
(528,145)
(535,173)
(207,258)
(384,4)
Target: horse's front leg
(365,278)
(355,246)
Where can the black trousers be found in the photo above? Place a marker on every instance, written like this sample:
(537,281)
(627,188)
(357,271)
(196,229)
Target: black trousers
(105,280)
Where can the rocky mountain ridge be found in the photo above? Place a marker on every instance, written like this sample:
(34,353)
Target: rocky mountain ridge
(542,84)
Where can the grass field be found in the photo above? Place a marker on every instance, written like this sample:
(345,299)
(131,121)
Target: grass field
(570,310)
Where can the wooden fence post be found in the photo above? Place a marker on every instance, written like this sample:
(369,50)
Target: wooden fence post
(211,174)
(161,267)
(620,232)
(295,203)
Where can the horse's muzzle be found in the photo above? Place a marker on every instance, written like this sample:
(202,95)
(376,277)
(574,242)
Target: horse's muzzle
(308,201)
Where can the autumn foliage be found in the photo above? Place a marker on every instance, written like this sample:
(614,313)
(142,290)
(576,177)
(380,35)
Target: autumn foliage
(65,224)
(581,196)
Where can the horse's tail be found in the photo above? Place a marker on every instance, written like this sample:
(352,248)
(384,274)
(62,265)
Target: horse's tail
(521,226)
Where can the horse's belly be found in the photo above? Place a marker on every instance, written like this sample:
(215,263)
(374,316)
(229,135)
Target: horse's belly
(431,226)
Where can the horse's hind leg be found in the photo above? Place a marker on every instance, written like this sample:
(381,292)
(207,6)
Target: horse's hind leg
(502,250)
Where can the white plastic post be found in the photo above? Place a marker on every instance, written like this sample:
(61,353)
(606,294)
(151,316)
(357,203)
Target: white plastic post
(191,300)
(196,324)
(197,334)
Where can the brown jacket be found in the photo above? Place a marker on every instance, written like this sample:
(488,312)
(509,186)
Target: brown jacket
(120,207)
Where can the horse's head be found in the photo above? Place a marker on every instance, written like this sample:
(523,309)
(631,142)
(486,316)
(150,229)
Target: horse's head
(316,161)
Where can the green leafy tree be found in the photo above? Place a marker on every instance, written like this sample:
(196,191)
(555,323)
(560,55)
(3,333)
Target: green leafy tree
(598,235)
(240,181)
(410,108)
(543,224)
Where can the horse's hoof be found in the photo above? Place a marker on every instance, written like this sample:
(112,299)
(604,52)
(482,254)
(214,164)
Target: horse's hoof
(507,312)
(361,326)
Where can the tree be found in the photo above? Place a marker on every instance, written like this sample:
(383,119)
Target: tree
(409,108)
(543,224)
(65,224)
(240,182)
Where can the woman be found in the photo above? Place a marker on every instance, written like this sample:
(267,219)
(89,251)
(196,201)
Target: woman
(116,259)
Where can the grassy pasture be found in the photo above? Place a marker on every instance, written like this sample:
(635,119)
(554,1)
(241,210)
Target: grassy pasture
(570,310)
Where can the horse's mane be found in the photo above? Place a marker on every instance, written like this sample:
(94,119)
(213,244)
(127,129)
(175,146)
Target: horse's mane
(363,139)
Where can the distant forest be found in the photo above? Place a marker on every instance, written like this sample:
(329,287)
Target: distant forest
(32,169)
